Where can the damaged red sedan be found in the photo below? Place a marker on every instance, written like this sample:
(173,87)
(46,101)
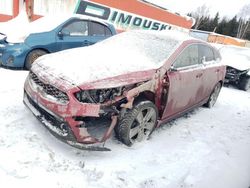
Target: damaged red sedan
(135,81)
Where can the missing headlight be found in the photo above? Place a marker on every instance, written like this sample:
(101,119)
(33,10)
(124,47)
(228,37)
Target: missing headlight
(231,70)
(99,95)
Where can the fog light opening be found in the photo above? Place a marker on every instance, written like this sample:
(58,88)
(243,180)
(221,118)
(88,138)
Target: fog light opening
(10,60)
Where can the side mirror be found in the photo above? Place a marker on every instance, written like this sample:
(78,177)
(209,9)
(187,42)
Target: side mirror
(173,69)
(203,59)
(61,34)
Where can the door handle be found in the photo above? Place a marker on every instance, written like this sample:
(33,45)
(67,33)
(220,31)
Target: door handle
(217,70)
(86,42)
(199,75)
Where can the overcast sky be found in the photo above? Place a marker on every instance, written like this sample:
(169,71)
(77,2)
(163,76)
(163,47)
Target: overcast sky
(225,8)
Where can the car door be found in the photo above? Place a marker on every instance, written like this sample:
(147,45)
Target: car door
(185,82)
(75,33)
(212,68)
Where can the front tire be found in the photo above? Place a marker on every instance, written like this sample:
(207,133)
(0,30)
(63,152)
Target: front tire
(244,83)
(138,123)
(214,95)
(32,56)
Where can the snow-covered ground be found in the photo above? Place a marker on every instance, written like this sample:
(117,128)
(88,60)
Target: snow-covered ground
(206,148)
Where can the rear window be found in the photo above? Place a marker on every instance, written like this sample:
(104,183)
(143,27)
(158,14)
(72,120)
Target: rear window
(206,52)
(77,28)
(99,29)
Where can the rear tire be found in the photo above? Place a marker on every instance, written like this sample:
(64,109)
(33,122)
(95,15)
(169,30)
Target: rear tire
(32,56)
(244,83)
(214,95)
(138,123)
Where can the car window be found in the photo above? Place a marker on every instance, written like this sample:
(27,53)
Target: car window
(98,29)
(216,54)
(206,53)
(188,57)
(76,28)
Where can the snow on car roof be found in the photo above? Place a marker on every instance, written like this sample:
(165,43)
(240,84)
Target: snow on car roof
(234,56)
(43,24)
(121,54)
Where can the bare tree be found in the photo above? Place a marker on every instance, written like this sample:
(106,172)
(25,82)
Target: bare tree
(244,22)
(200,15)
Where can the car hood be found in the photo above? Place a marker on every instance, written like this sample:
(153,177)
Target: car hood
(238,61)
(8,29)
(87,69)
(125,58)
(13,37)
(241,66)
(234,56)
(25,28)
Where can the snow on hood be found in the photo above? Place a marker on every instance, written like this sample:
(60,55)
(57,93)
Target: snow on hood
(15,29)
(124,53)
(2,36)
(234,56)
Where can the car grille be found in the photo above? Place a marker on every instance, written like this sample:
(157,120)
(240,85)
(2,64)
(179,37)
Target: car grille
(63,129)
(49,89)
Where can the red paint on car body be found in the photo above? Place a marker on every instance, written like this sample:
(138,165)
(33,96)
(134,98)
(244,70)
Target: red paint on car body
(173,91)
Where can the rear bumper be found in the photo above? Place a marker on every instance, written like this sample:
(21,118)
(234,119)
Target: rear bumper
(58,127)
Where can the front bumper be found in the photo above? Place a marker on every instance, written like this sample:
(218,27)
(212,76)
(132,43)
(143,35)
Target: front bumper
(62,122)
(13,56)
(58,127)
(232,77)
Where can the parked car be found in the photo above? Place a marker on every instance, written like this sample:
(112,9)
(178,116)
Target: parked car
(237,60)
(19,49)
(137,80)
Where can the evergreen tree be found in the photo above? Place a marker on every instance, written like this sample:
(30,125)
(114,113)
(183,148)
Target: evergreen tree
(214,23)
(204,24)
(221,28)
(233,26)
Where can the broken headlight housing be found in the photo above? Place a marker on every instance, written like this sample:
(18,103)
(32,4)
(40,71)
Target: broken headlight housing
(231,70)
(98,95)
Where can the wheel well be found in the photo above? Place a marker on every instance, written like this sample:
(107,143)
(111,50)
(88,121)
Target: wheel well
(221,82)
(43,49)
(146,95)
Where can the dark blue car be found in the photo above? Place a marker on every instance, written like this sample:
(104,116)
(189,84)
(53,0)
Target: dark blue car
(21,47)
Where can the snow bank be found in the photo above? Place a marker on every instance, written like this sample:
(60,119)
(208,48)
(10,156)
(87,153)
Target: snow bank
(205,148)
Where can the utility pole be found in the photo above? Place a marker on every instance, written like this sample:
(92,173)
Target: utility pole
(29,8)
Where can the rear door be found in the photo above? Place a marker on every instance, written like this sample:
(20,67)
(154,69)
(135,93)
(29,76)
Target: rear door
(185,82)
(212,68)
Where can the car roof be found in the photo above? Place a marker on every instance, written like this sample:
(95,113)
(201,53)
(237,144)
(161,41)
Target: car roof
(60,18)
